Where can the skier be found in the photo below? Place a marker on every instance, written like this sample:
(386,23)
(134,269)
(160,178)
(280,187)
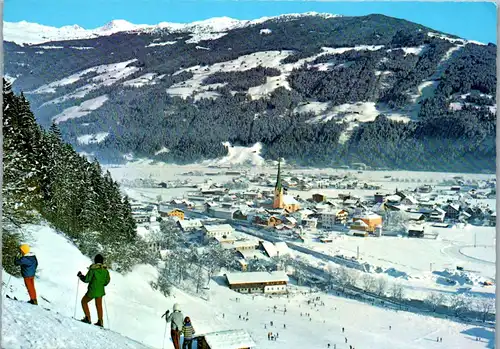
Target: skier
(346,339)
(97,278)
(441,339)
(223,316)
(239,317)
(176,324)
(188,331)
(271,323)
(247,313)
(390,327)
(277,335)
(328,345)
(28,263)
(342,330)
(284,325)
(268,336)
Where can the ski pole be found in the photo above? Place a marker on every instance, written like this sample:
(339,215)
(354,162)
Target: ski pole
(76,298)
(164,334)
(7,286)
(106,310)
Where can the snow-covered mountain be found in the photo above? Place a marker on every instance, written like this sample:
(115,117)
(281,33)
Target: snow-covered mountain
(316,89)
(32,33)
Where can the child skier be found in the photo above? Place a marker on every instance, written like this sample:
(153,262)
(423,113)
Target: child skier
(28,263)
(97,278)
(176,320)
(188,331)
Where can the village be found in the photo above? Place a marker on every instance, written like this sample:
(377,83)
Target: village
(310,218)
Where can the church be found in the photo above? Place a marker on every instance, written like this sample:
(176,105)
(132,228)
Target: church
(287,202)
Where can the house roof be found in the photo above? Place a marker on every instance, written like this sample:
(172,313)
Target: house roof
(190,223)
(218,227)
(230,339)
(256,277)
(282,248)
(269,248)
(289,200)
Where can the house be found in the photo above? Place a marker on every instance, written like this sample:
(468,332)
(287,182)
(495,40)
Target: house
(290,221)
(379,197)
(319,197)
(258,282)
(225,239)
(416,230)
(222,213)
(331,218)
(218,230)
(240,216)
(240,246)
(176,212)
(424,189)
(274,221)
(452,211)
(188,225)
(415,216)
(409,201)
(370,219)
(229,339)
(274,250)
(290,204)
(310,223)
(437,215)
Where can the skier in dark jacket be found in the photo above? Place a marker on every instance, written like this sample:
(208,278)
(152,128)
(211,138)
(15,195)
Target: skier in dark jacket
(97,278)
(28,263)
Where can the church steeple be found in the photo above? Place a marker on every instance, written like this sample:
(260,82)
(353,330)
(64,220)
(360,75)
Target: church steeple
(278,190)
(278,186)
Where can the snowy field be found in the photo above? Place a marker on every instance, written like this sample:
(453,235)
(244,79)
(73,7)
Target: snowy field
(135,311)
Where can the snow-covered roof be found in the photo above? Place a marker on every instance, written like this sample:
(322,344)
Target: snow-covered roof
(289,200)
(231,339)
(282,248)
(269,248)
(256,277)
(218,227)
(368,215)
(190,223)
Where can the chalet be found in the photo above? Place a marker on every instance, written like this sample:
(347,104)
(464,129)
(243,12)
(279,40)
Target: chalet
(219,230)
(310,223)
(225,239)
(290,204)
(332,218)
(409,201)
(240,216)
(452,211)
(141,218)
(393,199)
(176,212)
(425,189)
(229,339)
(379,197)
(437,215)
(371,221)
(258,282)
(188,225)
(416,230)
(415,216)
(274,221)
(274,250)
(260,219)
(319,197)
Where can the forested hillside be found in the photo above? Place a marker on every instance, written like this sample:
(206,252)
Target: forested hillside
(318,91)
(45,179)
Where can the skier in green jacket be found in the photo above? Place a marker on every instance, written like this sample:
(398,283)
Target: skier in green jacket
(97,278)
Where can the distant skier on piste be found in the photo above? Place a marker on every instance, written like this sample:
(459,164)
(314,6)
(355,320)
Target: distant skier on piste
(28,263)
(97,277)
(176,320)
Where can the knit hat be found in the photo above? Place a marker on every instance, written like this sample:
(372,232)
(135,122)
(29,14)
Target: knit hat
(99,258)
(177,307)
(25,249)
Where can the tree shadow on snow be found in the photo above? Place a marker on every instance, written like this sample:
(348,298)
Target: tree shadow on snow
(484,335)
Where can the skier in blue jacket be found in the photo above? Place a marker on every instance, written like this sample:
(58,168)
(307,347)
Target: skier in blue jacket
(28,263)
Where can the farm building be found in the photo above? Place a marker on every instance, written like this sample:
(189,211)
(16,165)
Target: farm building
(319,197)
(258,282)
(230,339)
(331,218)
(190,224)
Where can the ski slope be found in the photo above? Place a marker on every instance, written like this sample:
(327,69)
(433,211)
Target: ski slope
(28,326)
(134,310)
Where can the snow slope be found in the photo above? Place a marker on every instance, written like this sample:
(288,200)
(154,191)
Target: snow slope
(134,310)
(240,155)
(83,109)
(27,326)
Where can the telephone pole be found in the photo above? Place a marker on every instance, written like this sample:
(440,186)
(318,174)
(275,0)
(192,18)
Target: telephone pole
(358,253)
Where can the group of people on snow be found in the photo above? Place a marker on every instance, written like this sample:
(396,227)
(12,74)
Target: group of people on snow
(97,277)
(180,325)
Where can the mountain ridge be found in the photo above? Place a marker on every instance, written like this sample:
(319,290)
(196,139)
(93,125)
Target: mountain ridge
(317,91)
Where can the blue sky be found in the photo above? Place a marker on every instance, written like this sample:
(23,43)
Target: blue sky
(470,20)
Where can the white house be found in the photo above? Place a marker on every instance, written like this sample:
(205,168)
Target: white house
(258,282)
(218,230)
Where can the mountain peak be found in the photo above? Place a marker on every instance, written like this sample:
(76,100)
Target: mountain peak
(117,25)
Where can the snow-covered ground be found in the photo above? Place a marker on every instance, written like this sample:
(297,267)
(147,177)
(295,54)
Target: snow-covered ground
(83,109)
(240,155)
(92,138)
(146,79)
(27,326)
(134,310)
